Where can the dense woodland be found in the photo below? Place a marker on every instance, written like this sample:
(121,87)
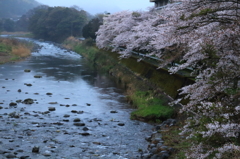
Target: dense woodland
(90,29)
(205,36)
(57,23)
(48,23)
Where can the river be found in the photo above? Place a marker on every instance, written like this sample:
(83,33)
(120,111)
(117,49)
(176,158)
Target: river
(76,111)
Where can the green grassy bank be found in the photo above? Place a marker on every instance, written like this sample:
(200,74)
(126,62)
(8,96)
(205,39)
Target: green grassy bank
(148,89)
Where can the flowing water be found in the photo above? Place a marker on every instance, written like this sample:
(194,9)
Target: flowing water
(65,81)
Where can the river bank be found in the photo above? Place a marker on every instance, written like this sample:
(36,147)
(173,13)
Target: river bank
(148,89)
(14,50)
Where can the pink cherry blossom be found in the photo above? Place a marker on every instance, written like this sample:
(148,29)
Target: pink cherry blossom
(199,34)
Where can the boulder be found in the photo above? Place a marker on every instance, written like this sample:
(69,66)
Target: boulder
(79,124)
(37,76)
(35,149)
(13,104)
(28,101)
(76,120)
(121,124)
(27,70)
(66,116)
(51,108)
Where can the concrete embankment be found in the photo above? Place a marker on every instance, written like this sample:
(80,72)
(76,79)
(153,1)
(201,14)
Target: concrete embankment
(137,76)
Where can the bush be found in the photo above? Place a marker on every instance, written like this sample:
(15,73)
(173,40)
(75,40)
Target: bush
(151,107)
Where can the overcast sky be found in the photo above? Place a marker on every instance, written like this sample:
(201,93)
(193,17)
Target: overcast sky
(100,6)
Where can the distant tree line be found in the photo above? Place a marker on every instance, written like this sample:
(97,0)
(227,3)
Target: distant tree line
(7,25)
(10,25)
(90,29)
(57,23)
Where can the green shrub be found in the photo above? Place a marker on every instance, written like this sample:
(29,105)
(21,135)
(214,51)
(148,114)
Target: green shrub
(150,107)
(5,48)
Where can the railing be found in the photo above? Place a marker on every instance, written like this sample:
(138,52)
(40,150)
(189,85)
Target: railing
(141,55)
(155,61)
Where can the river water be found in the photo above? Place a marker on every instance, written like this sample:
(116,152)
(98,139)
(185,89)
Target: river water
(66,82)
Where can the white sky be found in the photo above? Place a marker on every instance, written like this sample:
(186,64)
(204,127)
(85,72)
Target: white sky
(100,6)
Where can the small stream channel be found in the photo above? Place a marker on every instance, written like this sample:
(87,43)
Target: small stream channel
(91,117)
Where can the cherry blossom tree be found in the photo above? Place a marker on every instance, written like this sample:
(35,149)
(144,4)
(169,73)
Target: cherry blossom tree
(211,32)
(124,29)
(204,35)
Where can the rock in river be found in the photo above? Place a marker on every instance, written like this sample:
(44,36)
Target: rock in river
(47,153)
(37,76)
(76,120)
(27,70)
(85,129)
(28,84)
(13,104)
(79,124)
(80,112)
(19,101)
(10,156)
(51,108)
(35,149)
(121,124)
(28,101)
(66,116)
(53,103)
(85,134)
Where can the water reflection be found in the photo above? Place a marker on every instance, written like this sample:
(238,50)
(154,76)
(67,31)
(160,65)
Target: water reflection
(60,69)
(74,82)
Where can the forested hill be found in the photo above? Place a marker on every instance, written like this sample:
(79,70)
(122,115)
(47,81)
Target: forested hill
(16,8)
